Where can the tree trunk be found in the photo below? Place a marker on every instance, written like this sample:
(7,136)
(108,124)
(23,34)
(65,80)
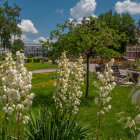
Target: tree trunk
(87,84)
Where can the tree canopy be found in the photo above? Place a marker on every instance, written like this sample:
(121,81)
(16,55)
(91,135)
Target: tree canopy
(124,24)
(17,45)
(9,18)
(93,39)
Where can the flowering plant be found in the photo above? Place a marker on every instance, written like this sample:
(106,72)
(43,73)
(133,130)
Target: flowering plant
(76,80)
(15,90)
(104,86)
(68,85)
(60,96)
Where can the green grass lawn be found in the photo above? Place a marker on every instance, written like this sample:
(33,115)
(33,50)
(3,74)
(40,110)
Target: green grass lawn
(35,66)
(42,86)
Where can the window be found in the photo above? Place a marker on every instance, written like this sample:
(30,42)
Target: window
(134,49)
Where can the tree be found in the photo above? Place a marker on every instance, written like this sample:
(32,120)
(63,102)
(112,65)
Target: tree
(18,45)
(124,24)
(9,18)
(95,38)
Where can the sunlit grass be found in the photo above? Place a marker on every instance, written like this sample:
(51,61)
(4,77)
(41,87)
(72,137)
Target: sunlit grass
(43,87)
(35,66)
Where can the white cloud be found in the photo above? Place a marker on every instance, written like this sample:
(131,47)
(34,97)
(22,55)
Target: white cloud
(23,37)
(128,6)
(60,11)
(83,8)
(37,40)
(27,26)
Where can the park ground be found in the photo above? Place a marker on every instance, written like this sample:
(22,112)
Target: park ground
(43,87)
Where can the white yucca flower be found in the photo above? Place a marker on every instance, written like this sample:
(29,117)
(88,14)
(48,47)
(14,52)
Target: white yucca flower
(105,86)
(60,96)
(25,120)
(8,88)
(76,80)
(68,84)
(23,83)
(16,85)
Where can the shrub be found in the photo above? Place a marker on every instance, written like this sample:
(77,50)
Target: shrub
(36,60)
(49,126)
(28,60)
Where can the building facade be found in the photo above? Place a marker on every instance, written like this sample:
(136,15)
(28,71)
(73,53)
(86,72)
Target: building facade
(133,52)
(31,50)
(34,50)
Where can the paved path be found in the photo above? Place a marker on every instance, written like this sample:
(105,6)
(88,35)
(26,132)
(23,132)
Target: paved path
(91,69)
(43,70)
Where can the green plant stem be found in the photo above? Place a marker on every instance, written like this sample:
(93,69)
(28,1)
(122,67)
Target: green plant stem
(6,121)
(99,127)
(6,124)
(99,123)
(87,83)
(18,125)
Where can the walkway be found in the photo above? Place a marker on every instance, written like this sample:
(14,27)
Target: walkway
(43,70)
(91,69)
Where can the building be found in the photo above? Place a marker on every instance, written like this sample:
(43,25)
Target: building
(31,50)
(34,50)
(133,52)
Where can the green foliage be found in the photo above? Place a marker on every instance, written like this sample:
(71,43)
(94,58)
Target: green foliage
(124,25)
(53,55)
(18,45)
(49,126)
(9,18)
(28,60)
(3,135)
(95,38)
(36,60)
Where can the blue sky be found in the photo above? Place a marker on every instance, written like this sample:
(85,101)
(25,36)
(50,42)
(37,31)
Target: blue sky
(39,17)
